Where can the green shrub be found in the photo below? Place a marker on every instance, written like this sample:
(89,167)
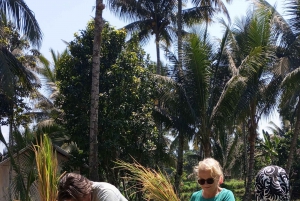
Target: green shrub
(236,186)
(233,184)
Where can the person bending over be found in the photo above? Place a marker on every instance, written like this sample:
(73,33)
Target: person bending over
(210,176)
(75,187)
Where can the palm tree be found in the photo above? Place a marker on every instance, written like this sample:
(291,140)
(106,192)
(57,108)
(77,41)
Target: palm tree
(48,71)
(204,79)
(148,17)
(20,14)
(290,99)
(46,105)
(93,153)
(14,73)
(269,147)
(181,136)
(16,79)
(188,17)
(207,9)
(47,111)
(290,49)
(188,103)
(254,87)
(12,46)
(176,117)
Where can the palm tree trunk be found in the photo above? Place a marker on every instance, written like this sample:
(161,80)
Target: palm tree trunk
(93,154)
(252,139)
(10,146)
(207,149)
(245,153)
(179,168)
(206,134)
(10,142)
(179,26)
(158,65)
(294,141)
(160,133)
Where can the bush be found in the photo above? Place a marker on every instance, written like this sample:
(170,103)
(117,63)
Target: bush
(236,186)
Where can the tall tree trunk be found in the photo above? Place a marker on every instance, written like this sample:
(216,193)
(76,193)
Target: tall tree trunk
(205,141)
(294,140)
(245,167)
(179,27)
(158,65)
(10,142)
(252,138)
(93,155)
(160,132)
(179,167)
(207,149)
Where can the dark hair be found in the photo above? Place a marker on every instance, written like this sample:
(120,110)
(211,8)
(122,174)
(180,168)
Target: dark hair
(73,186)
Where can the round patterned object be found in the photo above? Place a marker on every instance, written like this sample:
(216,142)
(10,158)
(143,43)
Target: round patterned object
(272,184)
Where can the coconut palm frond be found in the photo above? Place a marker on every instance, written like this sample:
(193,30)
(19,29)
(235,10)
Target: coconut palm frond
(24,19)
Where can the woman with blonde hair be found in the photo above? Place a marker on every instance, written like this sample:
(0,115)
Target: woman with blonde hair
(210,176)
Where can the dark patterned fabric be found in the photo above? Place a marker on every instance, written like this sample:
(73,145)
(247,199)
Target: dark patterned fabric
(272,184)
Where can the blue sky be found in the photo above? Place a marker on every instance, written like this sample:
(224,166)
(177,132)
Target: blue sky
(60,19)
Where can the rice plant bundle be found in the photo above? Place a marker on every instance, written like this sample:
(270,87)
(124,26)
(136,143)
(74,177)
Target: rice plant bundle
(155,185)
(46,164)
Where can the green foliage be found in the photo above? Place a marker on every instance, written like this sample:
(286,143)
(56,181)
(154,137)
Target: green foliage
(269,147)
(23,18)
(125,100)
(187,189)
(18,81)
(127,109)
(22,165)
(74,78)
(191,159)
(236,186)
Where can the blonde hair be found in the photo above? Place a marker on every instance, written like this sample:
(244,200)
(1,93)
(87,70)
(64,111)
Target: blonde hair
(212,165)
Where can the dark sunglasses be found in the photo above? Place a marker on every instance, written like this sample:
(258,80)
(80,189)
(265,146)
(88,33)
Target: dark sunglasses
(208,181)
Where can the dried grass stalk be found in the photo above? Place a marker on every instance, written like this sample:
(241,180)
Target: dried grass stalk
(46,163)
(155,185)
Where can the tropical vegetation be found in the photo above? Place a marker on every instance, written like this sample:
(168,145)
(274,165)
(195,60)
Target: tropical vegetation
(128,120)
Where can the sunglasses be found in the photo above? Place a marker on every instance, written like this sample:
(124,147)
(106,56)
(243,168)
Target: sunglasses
(208,181)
